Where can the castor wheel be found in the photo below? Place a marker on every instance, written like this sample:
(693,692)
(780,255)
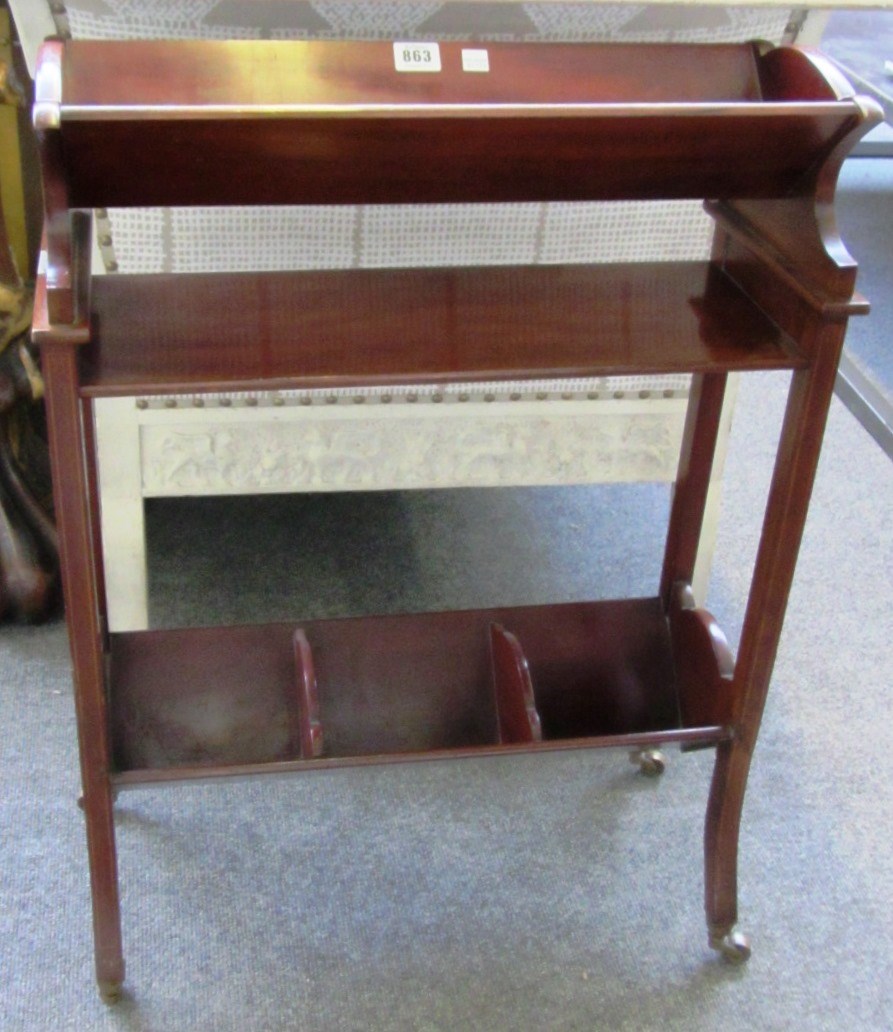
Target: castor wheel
(733,947)
(651,762)
(109,992)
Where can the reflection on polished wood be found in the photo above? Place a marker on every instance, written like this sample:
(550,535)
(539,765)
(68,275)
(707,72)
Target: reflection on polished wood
(221,697)
(217,124)
(386,326)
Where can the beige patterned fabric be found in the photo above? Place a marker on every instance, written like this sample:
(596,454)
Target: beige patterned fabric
(415,19)
(268,237)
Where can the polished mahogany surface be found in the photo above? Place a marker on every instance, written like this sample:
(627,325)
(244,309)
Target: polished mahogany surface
(387,685)
(388,326)
(758,132)
(250,75)
(248,122)
(422,160)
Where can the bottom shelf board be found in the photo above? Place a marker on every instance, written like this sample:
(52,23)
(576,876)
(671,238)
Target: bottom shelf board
(388,686)
(687,738)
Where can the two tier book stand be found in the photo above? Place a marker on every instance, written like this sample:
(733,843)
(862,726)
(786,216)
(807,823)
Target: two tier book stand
(758,133)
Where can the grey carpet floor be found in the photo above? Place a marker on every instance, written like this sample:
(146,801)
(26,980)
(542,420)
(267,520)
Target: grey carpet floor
(865,213)
(558,892)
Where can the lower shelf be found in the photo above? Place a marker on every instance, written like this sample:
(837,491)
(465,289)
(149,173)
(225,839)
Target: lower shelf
(233,700)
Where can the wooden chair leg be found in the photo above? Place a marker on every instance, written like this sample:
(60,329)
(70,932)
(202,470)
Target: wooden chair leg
(27,564)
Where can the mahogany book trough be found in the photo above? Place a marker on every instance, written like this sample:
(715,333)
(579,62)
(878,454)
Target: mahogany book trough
(759,133)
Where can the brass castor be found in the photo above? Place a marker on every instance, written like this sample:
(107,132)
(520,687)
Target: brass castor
(733,947)
(109,992)
(651,762)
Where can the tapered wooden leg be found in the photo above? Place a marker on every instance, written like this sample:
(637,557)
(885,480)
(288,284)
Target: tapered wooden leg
(89,432)
(798,454)
(79,580)
(692,481)
(107,943)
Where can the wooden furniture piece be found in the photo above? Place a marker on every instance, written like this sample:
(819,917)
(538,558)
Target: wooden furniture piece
(367,438)
(760,132)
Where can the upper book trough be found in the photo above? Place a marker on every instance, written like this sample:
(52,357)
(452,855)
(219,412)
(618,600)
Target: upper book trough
(169,122)
(237,79)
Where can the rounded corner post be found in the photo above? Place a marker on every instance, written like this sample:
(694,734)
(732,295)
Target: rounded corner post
(48,86)
(868,114)
(58,272)
(798,231)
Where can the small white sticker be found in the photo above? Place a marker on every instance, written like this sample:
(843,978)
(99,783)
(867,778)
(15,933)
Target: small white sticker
(417,57)
(475,61)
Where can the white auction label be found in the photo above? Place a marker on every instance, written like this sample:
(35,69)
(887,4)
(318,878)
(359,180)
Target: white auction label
(475,61)
(417,57)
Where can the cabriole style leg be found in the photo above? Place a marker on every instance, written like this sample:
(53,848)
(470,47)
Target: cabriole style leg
(721,853)
(798,454)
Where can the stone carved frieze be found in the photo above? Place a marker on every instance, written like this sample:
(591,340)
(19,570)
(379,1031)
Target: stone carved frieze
(351,455)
